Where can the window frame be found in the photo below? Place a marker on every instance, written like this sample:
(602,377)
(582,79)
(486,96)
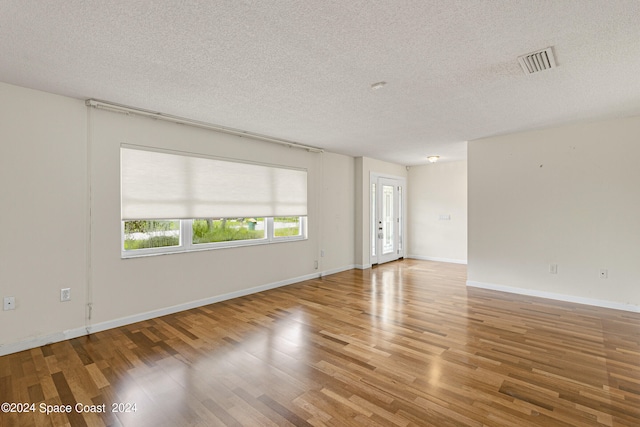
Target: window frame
(186,240)
(302,230)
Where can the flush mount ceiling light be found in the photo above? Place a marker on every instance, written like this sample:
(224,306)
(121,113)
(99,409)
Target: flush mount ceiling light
(433,159)
(379,85)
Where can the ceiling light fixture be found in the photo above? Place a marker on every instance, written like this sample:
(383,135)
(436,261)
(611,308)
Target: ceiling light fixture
(378,85)
(433,159)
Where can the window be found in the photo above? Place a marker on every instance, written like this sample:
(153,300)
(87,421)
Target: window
(176,202)
(287,227)
(141,238)
(169,185)
(150,234)
(227,230)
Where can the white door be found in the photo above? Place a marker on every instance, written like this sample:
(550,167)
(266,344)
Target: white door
(387,227)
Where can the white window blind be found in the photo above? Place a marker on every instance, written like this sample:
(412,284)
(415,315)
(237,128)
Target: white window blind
(166,185)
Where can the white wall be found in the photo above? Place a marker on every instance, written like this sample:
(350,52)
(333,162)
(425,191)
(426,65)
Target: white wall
(42,212)
(54,149)
(438,189)
(126,287)
(568,196)
(338,212)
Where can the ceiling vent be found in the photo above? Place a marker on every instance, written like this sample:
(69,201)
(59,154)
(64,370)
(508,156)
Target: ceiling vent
(537,61)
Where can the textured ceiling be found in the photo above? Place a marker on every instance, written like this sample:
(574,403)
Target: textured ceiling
(302,70)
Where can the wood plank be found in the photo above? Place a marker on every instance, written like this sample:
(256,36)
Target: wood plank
(402,344)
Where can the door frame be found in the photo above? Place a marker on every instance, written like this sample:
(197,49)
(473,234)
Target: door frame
(374,242)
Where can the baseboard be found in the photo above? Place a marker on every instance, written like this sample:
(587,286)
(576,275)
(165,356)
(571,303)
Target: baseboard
(362,266)
(337,270)
(116,323)
(127,320)
(42,340)
(558,297)
(429,258)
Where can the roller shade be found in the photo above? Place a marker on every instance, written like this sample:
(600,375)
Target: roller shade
(167,185)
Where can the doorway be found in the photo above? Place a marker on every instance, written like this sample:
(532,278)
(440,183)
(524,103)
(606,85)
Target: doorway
(387,218)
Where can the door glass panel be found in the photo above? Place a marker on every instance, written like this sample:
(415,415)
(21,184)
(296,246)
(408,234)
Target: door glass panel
(387,219)
(400,214)
(374,235)
(386,227)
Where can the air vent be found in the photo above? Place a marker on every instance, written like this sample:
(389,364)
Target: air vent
(537,61)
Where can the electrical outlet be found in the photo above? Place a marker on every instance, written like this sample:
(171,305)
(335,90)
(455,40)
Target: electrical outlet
(604,273)
(9,303)
(315,264)
(553,268)
(65,294)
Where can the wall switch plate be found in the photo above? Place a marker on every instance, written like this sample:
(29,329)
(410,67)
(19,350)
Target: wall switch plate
(604,273)
(9,303)
(65,294)
(553,268)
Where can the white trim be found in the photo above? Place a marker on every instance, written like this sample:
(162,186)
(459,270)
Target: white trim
(10,348)
(337,270)
(558,297)
(362,266)
(43,340)
(110,324)
(186,237)
(429,258)
(374,177)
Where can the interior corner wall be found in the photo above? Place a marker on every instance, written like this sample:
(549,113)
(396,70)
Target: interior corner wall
(43,206)
(437,212)
(568,196)
(337,245)
(364,167)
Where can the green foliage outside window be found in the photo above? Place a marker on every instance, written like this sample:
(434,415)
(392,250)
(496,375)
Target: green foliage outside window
(146,234)
(142,234)
(226,230)
(286,226)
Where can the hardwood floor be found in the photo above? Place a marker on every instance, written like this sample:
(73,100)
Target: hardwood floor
(402,344)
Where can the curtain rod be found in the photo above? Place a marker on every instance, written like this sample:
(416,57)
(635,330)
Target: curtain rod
(95,103)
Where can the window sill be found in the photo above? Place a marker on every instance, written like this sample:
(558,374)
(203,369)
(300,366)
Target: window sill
(143,253)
